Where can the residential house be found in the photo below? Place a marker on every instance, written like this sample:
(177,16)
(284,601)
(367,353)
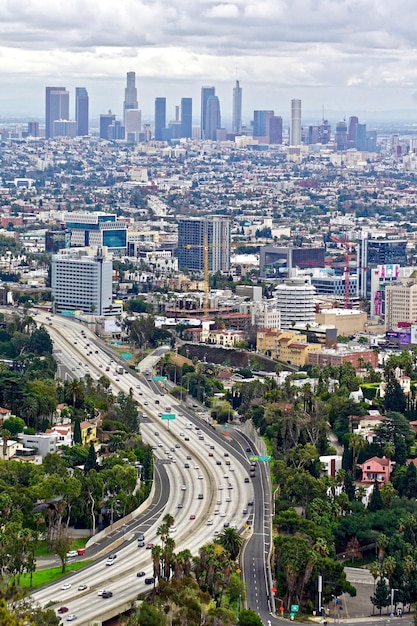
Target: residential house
(376,468)
(64,433)
(88,432)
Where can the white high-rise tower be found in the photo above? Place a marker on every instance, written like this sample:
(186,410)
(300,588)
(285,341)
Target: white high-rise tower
(131,94)
(237,109)
(295,127)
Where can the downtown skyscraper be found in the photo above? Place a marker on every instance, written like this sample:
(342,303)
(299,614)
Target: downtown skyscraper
(295,124)
(131,94)
(186,117)
(81,111)
(237,109)
(160,117)
(213,118)
(206,93)
(56,108)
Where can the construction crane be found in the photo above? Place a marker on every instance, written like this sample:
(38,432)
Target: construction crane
(348,256)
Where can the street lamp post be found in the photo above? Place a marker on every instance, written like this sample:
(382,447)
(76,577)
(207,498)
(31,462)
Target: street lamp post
(392,601)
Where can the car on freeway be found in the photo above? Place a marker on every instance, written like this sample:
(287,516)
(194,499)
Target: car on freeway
(141,537)
(200,476)
(220,487)
(100,592)
(210,453)
(216,533)
(222,514)
(71,617)
(250,503)
(183,488)
(226,525)
(218,462)
(209,522)
(186,439)
(228,499)
(246,479)
(156,433)
(146,403)
(149,546)
(192,516)
(109,562)
(71,554)
(140,574)
(200,496)
(149,581)
(63,609)
(66,586)
(196,467)
(177,445)
(107,594)
(179,505)
(141,543)
(82,587)
(187,465)
(216,511)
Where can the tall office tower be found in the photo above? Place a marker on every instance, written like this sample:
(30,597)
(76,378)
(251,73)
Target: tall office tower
(361,137)
(106,120)
(96,229)
(33,129)
(206,93)
(261,121)
(213,118)
(378,252)
(371,137)
(193,232)
(352,131)
(237,109)
(81,110)
(324,132)
(81,280)
(56,108)
(133,125)
(131,94)
(340,136)
(275,129)
(186,117)
(160,117)
(295,125)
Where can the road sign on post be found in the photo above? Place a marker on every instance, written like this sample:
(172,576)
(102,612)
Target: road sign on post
(156,378)
(168,416)
(294,608)
(264,458)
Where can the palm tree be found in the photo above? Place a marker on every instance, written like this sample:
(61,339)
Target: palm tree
(381,544)
(231,541)
(389,451)
(356,444)
(6,434)
(156,558)
(74,390)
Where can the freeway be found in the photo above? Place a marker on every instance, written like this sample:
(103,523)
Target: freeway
(193,455)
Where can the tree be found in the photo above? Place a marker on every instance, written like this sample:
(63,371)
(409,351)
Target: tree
(14,425)
(394,399)
(77,432)
(231,541)
(247,617)
(91,462)
(381,597)
(61,545)
(40,342)
(149,616)
(375,502)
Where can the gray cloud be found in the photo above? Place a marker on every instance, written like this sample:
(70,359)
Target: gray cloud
(348,46)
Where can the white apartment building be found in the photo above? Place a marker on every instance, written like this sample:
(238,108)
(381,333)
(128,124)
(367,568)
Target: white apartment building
(265,314)
(82,281)
(295,301)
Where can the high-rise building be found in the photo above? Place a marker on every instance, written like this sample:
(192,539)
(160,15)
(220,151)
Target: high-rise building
(275,129)
(56,108)
(295,125)
(194,233)
(295,301)
(64,128)
(374,252)
(81,280)
(261,120)
(160,117)
(186,117)
(237,109)
(131,94)
(106,120)
(81,110)
(206,93)
(361,137)
(340,136)
(133,124)
(400,303)
(352,131)
(213,118)
(33,129)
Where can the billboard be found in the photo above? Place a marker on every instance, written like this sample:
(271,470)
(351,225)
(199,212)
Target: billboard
(388,271)
(413,334)
(405,338)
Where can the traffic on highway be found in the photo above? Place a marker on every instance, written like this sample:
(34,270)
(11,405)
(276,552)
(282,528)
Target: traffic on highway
(210,482)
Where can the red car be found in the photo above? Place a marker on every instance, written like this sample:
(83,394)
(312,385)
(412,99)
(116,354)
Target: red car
(62,609)
(192,516)
(149,546)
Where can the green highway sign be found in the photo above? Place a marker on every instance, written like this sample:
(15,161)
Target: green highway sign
(168,416)
(159,378)
(294,608)
(264,458)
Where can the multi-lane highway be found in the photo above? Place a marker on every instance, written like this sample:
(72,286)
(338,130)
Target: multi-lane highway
(202,483)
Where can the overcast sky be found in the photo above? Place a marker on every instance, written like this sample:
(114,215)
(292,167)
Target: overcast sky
(345,55)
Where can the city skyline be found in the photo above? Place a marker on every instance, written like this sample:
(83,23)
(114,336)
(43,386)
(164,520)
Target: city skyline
(343,55)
